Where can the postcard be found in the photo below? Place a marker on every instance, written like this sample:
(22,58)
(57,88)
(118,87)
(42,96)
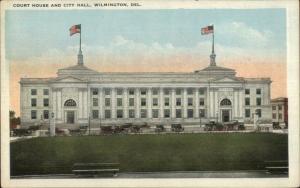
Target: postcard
(150,93)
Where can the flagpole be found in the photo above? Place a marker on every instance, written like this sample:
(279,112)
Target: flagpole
(80,39)
(213,41)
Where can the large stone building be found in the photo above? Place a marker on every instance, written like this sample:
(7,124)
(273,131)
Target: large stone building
(280,111)
(81,96)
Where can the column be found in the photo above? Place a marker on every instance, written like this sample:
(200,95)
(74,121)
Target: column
(241,99)
(197,103)
(113,103)
(80,107)
(149,103)
(85,103)
(137,102)
(125,102)
(101,103)
(54,103)
(59,106)
(207,102)
(173,103)
(216,102)
(184,103)
(161,102)
(235,103)
(211,103)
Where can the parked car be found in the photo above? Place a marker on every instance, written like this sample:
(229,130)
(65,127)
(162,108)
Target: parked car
(177,128)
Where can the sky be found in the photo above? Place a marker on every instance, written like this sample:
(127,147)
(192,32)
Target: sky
(252,41)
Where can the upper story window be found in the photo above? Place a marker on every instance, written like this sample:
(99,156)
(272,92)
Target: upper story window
(33,102)
(167,102)
(107,101)
(33,114)
(190,101)
(273,107)
(119,102)
(155,102)
(258,101)
(143,102)
(225,102)
(201,101)
(95,102)
(247,101)
(107,91)
(70,102)
(33,91)
(201,91)
(119,91)
(143,92)
(131,91)
(178,101)
(46,91)
(190,91)
(131,101)
(279,107)
(178,91)
(247,91)
(166,91)
(258,91)
(258,112)
(95,91)
(46,102)
(154,91)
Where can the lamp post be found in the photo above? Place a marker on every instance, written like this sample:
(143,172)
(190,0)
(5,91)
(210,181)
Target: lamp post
(217,116)
(200,113)
(52,125)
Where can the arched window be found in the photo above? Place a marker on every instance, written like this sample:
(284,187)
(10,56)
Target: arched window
(225,102)
(70,102)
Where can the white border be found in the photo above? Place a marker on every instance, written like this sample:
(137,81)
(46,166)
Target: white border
(292,7)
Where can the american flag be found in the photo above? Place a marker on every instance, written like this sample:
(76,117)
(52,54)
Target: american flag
(207,30)
(75,29)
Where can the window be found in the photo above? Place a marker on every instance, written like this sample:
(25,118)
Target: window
(190,101)
(131,101)
(154,91)
(190,91)
(279,107)
(119,101)
(33,91)
(258,112)
(143,92)
(95,114)
(247,113)
(33,114)
(46,114)
(201,101)
(95,91)
(33,102)
(201,91)
(46,91)
(190,113)
(258,91)
(178,101)
(167,102)
(274,116)
(95,101)
(155,113)
(119,113)
(247,101)
(178,91)
(119,91)
(70,102)
(131,92)
(107,101)
(279,116)
(273,107)
(155,101)
(178,113)
(143,113)
(143,102)
(201,113)
(107,91)
(166,91)
(247,91)
(131,113)
(258,101)
(107,114)
(225,102)
(166,113)
(46,102)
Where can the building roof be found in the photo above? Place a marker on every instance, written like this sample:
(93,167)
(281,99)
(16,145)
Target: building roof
(280,99)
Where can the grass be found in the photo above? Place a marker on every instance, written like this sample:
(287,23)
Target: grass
(142,153)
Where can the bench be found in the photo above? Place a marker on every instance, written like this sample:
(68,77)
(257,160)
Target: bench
(278,167)
(96,169)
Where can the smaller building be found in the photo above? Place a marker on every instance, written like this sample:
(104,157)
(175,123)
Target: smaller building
(280,112)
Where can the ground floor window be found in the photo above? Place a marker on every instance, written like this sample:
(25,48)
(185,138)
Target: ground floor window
(190,113)
(95,114)
(247,113)
(33,114)
(178,113)
(155,113)
(274,116)
(131,113)
(202,113)
(258,112)
(166,113)
(107,114)
(143,113)
(46,114)
(119,113)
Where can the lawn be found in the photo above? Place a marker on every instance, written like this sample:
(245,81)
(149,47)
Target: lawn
(141,153)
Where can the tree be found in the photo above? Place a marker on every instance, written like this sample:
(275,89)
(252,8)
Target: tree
(13,120)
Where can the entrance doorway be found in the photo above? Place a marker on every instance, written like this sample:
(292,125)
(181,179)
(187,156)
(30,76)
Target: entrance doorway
(70,117)
(225,115)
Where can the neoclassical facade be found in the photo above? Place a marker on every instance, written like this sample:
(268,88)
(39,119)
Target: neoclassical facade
(81,96)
